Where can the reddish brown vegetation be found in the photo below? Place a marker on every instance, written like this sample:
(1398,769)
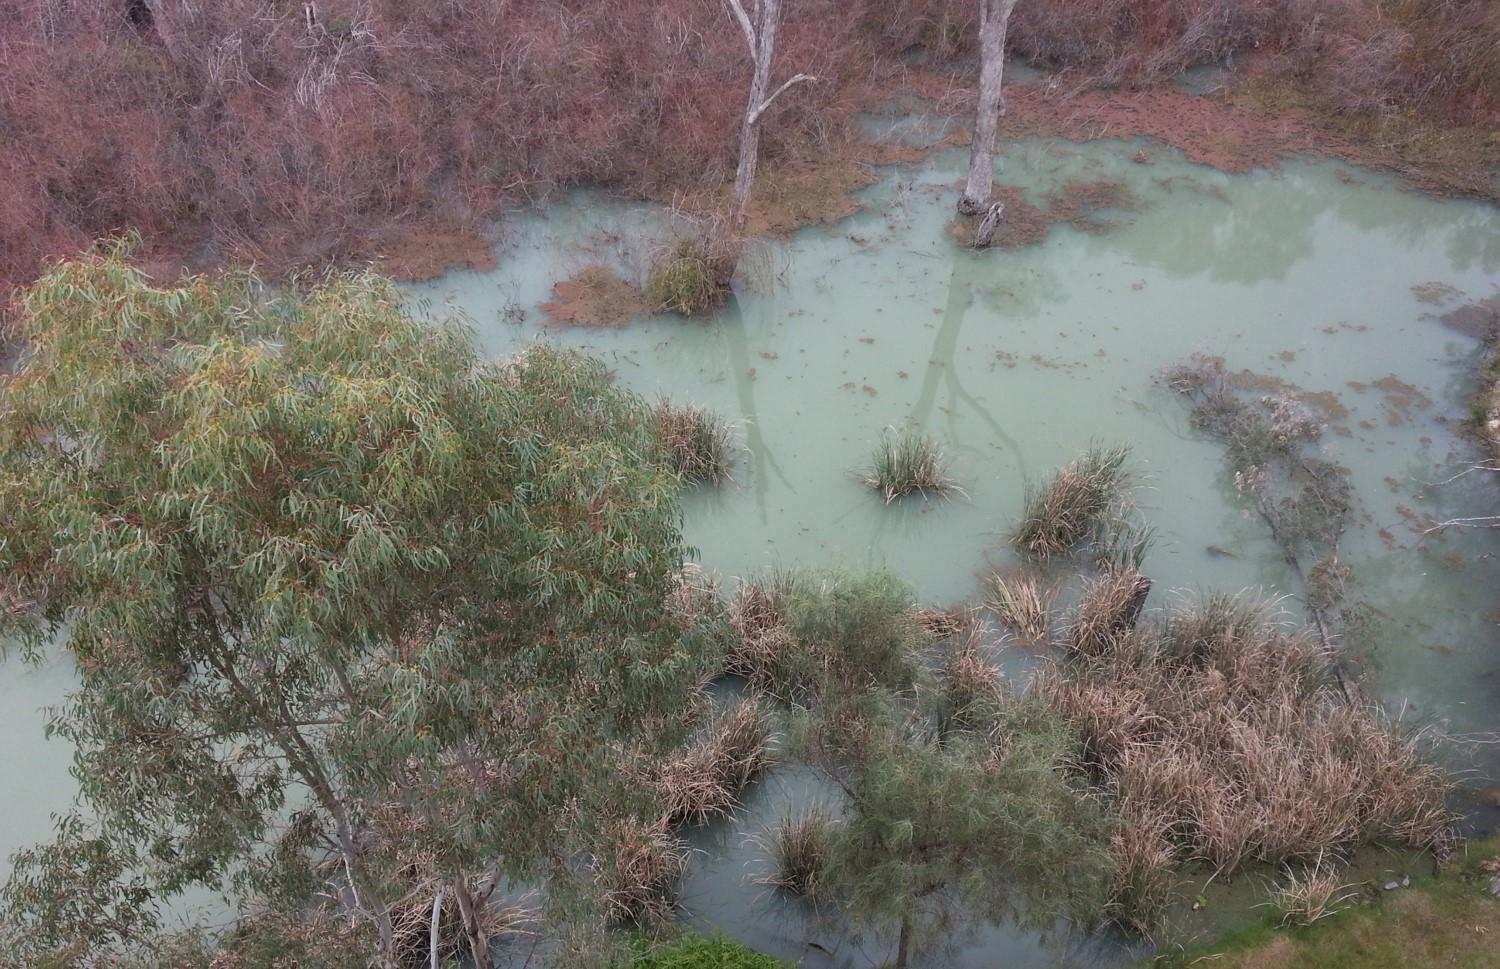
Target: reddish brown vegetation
(595,296)
(240,129)
(1080,204)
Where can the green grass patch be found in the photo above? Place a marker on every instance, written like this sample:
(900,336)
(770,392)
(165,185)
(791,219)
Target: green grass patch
(1447,920)
(700,952)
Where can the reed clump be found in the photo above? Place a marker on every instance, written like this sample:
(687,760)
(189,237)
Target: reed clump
(698,443)
(1074,506)
(689,278)
(798,846)
(1224,738)
(637,871)
(1109,606)
(908,463)
(1023,601)
(704,780)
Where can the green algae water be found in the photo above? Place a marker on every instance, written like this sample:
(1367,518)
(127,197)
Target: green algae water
(1016,361)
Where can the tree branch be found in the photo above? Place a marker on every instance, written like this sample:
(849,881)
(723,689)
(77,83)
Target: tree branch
(738,10)
(755,115)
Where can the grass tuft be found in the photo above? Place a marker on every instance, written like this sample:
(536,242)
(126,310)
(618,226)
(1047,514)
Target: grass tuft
(1075,505)
(698,443)
(1311,894)
(908,463)
(798,847)
(1023,603)
(688,278)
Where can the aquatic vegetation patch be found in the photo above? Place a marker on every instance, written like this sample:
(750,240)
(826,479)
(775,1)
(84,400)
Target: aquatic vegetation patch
(690,951)
(1109,607)
(1270,441)
(1078,203)
(595,296)
(1075,504)
(698,443)
(1223,738)
(908,463)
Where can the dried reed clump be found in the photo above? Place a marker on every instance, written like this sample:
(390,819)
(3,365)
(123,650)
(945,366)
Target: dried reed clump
(705,779)
(694,596)
(698,443)
(637,871)
(1023,602)
(1073,507)
(762,639)
(972,686)
(1311,894)
(1223,739)
(908,463)
(1110,606)
(798,846)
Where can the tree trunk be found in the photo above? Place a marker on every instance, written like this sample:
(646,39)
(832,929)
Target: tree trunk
(903,944)
(994,20)
(435,929)
(760,36)
(469,911)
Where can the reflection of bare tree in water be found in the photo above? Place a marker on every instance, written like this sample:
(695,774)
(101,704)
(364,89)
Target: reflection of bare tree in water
(731,323)
(942,370)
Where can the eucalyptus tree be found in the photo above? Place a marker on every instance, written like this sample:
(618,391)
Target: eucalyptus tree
(357,615)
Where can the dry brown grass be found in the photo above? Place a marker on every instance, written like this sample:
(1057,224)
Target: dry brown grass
(1023,601)
(1225,740)
(638,870)
(698,443)
(704,780)
(1108,608)
(1310,894)
(973,687)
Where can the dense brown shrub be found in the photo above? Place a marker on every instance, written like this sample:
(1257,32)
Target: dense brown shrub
(243,129)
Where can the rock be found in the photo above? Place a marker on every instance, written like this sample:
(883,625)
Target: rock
(1495,886)
(1391,886)
(1405,881)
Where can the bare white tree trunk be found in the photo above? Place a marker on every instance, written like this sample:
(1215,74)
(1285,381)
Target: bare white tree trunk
(758,24)
(994,21)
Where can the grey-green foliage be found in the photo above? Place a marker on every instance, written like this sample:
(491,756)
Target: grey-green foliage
(336,588)
(940,835)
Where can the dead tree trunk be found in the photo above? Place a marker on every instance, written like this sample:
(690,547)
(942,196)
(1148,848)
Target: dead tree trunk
(994,21)
(758,24)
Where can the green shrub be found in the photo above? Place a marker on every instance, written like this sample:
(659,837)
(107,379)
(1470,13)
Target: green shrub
(687,280)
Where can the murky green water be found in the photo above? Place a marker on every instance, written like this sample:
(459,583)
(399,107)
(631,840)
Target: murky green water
(1016,361)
